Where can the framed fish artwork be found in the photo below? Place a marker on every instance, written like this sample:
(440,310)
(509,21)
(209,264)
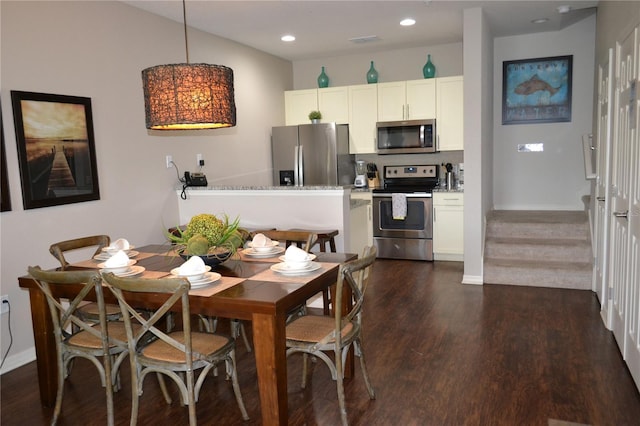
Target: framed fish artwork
(537,90)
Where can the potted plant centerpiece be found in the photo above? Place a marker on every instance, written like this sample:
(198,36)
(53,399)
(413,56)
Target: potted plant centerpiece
(214,240)
(315,116)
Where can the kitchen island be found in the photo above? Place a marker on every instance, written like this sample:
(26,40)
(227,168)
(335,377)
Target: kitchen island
(282,207)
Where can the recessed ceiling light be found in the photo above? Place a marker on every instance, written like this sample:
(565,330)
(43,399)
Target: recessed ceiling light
(540,21)
(287,37)
(407,22)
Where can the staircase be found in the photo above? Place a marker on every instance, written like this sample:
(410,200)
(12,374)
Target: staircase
(538,248)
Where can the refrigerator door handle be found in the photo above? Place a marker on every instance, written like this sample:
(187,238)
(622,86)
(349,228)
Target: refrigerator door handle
(296,166)
(301,165)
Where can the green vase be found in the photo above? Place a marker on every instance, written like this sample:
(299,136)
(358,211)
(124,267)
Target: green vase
(323,79)
(429,70)
(372,75)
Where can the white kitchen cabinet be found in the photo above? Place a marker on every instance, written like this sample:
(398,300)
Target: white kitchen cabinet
(449,113)
(298,104)
(407,100)
(364,229)
(363,115)
(448,226)
(333,103)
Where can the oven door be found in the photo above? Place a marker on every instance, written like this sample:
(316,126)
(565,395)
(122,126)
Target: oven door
(417,224)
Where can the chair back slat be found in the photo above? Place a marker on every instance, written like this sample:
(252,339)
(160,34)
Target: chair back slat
(58,249)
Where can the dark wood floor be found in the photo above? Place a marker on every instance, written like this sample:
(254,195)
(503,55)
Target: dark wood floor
(439,353)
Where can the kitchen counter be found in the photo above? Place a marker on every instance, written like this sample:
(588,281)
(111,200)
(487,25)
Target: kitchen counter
(445,190)
(281,207)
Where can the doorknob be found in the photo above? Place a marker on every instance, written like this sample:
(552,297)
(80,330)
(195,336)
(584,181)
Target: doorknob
(621,214)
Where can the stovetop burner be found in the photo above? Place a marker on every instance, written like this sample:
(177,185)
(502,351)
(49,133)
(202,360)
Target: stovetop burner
(409,179)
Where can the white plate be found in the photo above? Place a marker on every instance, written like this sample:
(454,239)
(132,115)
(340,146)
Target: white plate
(253,253)
(176,272)
(286,270)
(114,269)
(134,270)
(106,256)
(209,277)
(311,256)
(273,243)
(114,250)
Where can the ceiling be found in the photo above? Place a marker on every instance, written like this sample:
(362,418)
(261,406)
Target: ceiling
(324,28)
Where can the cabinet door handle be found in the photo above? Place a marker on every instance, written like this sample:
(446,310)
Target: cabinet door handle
(403,116)
(600,198)
(621,214)
(408,114)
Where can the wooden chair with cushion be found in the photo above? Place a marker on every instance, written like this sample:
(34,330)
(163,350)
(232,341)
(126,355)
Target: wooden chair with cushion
(316,334)
(106,350)
(183,355)
(89,311)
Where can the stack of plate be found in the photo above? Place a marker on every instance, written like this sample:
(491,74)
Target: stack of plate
(268,251)
(199,279)
(105,255)
(298,268)
(128,270)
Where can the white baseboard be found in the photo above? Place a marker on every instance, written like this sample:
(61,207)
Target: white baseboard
(472,279)
(18,360)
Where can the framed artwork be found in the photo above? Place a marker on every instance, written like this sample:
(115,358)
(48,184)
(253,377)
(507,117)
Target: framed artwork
(56,149)
(5,205)
(537,90)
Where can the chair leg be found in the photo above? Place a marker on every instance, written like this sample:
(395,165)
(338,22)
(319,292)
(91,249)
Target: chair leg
(59,393)
(163,388)
(363,367)
(237,330)
(236,385)
(340,388)
(305,369)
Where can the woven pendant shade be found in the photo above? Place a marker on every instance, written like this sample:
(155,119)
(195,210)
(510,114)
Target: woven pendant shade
(188,96)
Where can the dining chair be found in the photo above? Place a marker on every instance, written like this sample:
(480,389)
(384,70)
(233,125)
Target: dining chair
(104,343)
(316,334)
(88,311)
(177,354)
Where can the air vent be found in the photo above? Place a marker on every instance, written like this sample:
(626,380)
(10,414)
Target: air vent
(364,39)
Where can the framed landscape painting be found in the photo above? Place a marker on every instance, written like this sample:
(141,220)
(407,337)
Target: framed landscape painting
(537,90)
(56,149)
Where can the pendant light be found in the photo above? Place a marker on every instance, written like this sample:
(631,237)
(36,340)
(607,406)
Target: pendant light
(188,96)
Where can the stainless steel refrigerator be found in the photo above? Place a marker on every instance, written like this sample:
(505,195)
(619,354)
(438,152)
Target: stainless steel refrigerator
(312,154)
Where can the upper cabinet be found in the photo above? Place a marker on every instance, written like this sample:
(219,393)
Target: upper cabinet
(333,103)
(363,115)
(298,104)
(449,119)
(362,106)
(407,100)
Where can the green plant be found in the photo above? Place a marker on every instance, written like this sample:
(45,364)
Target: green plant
(206,234)
(315,115)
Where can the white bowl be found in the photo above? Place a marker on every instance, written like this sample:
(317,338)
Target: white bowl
(264,249)
(191,275)
(117,269)
(111,250)
(298,264)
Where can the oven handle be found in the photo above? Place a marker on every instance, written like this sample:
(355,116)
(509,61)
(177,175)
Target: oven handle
(412,195)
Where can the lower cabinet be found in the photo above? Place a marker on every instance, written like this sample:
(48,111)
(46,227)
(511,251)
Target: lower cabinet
(448,226)
(362,224)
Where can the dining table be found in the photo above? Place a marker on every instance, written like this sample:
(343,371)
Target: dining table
(248,289)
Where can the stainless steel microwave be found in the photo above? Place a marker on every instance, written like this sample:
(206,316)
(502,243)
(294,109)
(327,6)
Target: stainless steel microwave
(406,137)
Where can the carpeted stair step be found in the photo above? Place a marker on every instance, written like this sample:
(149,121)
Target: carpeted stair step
(538,248)
(567,250)
(572,275)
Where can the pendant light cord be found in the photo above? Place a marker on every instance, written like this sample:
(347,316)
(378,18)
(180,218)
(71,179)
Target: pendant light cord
(184,17)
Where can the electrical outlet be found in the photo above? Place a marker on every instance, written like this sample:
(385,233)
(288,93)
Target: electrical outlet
(4,308)
(199,160)
(169,161)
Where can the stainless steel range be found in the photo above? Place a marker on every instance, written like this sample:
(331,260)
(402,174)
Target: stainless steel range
(405,231)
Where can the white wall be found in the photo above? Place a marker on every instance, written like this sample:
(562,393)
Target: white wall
(97,50)
(553,179)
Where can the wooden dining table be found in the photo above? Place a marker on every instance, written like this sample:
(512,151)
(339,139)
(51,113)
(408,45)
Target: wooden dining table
(247,290)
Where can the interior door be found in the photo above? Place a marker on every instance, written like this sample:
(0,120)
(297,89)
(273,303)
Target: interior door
(623,268)
(603,203)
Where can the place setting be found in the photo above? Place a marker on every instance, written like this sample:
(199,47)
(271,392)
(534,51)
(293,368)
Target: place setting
(120,244)
(296,261)
(195,270)
(262,246)
(121,265)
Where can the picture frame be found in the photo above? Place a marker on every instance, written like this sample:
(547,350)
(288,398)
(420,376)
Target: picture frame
(5,203)
(537,90)
(56,149)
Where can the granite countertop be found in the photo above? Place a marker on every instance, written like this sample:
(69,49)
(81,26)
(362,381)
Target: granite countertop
(445,190)
(263,188)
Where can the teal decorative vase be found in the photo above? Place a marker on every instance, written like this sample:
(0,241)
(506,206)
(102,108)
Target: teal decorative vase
(323,79)
(372,75)
(429,70)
